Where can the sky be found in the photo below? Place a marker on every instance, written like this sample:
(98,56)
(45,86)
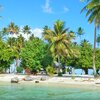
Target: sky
(38,13)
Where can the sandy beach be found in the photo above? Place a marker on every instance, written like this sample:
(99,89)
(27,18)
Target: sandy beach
(65,80)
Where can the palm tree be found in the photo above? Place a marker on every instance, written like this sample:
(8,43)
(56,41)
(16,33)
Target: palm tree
(20,42)
(98,40)
(12,28)
(16,44)
(26,29)
(59,41)
(44,30)
(3,32)
(31,37)
(11,41)
(80,32)
(72,34)
(93,12)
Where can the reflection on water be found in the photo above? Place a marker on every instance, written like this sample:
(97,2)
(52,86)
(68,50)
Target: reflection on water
(48,92)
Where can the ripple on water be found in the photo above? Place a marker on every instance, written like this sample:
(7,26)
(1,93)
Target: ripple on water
(48,92)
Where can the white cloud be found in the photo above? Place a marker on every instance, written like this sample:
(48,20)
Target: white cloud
(26,36)
(37,32)
(13,35)
(66,9)
(46,8)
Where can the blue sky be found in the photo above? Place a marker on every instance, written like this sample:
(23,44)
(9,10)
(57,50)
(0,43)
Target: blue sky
(38,13)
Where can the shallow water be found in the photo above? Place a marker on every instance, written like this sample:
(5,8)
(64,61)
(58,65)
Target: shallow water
(39,91)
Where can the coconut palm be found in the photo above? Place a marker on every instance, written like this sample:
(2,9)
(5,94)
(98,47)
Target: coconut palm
(93,13)
(59,41)
(98,40)
(20,42)
(72,34)
(3,32)
(31,37)
(44,30)
(26,29)
(80,32)
(13,29)
(11,41)
(16,45)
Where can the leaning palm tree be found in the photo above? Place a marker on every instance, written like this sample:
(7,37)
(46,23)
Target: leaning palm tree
(59,41)
(93,12)
(98,40)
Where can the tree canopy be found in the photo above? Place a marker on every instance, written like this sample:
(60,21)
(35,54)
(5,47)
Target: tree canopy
(32,54)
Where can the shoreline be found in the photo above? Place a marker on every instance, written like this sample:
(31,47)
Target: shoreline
(57,80)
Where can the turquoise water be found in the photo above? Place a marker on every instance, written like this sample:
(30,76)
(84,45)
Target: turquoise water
(48,92)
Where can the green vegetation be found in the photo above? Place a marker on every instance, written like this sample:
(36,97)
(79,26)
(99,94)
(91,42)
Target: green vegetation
(98,40)
(85,58)
(6,55)
(93,12)
(36,54)
(80,32)
(59,46)
(32,54)
(50,70)
(19,69)
(59,40)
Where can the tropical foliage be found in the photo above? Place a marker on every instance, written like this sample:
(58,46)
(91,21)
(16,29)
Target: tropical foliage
(6,55)
(98,40)
(59,46)
(50,70)
(32,54)
(93,12)
(85,58)
(59,40)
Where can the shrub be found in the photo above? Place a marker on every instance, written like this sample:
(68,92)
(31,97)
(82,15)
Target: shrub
(73,77)
(60,74)
(50,70)
(19,69)
(1,70)
(68,69)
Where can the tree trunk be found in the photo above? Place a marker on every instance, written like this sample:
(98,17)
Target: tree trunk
(59,64)
(17,63)
(9,70)
(94,50)
(86,71)
(97,71)
(73,70)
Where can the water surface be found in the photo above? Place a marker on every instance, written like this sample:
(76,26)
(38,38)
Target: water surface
(45,91)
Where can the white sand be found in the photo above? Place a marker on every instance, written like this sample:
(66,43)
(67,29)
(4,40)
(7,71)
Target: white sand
(66,80)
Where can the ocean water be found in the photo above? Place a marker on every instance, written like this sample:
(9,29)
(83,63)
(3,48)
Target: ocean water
(33,91)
